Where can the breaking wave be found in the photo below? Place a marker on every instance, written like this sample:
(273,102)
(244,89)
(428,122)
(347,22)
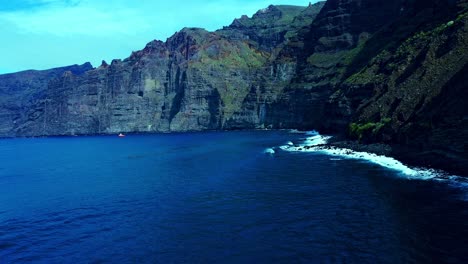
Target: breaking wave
(314,142)
(269,151)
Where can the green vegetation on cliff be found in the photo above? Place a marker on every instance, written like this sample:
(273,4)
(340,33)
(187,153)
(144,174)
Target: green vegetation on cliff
(359,130)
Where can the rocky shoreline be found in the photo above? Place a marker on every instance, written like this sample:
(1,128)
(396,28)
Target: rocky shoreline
(411,157)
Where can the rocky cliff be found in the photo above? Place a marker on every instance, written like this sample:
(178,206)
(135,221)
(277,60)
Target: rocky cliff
(196,80)
(406,86)
(19,93)
(374,71)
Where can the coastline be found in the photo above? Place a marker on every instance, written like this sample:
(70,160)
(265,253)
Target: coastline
(378,153)
(435,160)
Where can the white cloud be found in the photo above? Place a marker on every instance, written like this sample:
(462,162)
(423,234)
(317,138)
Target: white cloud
(73,20)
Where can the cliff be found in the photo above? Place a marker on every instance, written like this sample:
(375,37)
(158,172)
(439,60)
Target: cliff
(406,87)
(196,80)
(20,91)
(388,72)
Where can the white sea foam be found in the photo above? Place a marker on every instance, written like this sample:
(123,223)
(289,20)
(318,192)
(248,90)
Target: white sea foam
(295,131)
(316,140)
(269,151)
(383,161)
(316,143)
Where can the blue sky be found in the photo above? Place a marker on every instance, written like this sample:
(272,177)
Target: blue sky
(42,34)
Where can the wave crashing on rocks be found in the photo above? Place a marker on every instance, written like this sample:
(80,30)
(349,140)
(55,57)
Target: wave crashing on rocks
(314,142)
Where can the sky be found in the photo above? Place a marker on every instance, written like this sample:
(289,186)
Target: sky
(43,34)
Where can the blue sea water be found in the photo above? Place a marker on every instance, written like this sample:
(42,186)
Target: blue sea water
(217,197)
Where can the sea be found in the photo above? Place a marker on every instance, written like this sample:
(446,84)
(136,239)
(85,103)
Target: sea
(223,197)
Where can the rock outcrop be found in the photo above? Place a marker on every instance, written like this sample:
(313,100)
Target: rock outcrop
(388,72)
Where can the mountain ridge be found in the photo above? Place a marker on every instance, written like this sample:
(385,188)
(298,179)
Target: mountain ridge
(373,72)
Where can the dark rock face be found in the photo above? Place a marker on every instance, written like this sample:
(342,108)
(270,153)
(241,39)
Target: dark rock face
(412,87)
(19,92)
(329,45)
(388,72)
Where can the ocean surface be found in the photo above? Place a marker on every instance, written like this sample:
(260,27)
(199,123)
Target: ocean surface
(222,197)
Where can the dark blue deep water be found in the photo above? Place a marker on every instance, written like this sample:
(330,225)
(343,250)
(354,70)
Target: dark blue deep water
(217,198)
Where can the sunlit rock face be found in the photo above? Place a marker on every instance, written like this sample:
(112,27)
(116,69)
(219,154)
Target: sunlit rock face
(196,80)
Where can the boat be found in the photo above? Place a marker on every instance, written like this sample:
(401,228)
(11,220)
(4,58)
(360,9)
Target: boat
(121,135)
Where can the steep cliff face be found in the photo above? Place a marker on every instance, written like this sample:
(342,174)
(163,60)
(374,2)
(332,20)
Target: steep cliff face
(376,71)
(410,91)
(19,91)
(391,72)
(329,46)
(196,80)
